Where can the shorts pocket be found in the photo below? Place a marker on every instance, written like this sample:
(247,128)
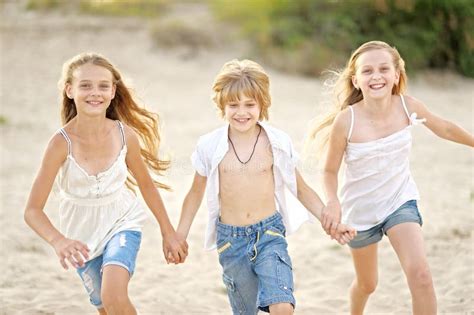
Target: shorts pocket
(284,271)
(235,298)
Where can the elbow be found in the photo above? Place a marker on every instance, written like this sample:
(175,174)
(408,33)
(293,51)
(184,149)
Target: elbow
(27,216)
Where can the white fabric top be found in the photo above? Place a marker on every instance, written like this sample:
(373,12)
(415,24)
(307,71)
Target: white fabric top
(210,151)
(93,208)
(377,176)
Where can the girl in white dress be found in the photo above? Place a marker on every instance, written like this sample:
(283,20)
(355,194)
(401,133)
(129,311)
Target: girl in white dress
(370,127)
(107,145)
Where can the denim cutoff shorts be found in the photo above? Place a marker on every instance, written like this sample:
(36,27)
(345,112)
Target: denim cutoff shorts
(257,270)
(408,212)
(121,250)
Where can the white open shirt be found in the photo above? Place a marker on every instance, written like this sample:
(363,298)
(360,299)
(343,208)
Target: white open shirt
(211,149)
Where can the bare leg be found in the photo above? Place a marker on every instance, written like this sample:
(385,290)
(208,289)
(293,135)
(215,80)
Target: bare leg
(365,282)
(102,311)
(407,241)
(281,309)
(115,291)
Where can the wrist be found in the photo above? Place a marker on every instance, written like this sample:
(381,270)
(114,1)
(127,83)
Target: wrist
(56,239)
(167,230)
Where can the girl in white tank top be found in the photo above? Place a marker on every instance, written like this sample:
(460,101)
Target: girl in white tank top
(93,158)
(370,128)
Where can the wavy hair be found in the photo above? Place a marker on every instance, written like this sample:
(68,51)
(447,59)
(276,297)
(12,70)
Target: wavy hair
(122,107)
(344,93)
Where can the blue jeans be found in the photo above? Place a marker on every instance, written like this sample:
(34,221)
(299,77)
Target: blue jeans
(408,212)
(257,269)
(122,251)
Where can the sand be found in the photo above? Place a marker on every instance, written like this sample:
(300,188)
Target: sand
(176,83)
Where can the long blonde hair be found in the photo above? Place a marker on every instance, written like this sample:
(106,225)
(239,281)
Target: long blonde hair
(242,77)
(123,107)
(344,93)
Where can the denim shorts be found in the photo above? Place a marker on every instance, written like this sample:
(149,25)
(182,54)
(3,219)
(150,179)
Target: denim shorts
(122,251)
(408,212)
(257,270)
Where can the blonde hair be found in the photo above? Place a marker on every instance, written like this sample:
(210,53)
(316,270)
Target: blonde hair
(344,93)
(242,77)
(122,107)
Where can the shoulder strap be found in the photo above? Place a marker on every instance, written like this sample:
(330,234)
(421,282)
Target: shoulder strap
(405,106)
(122,133)
(349,135)
(69,143)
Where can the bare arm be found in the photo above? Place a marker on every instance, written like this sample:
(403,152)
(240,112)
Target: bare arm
(66,249)
(171,245)
(337,144)
(308,197)
(441,127)
(191,204)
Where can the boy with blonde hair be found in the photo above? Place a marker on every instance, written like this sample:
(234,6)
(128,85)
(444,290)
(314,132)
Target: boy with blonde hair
(245,167)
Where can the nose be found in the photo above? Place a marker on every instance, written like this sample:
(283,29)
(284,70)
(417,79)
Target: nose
(95,91)
(377,75)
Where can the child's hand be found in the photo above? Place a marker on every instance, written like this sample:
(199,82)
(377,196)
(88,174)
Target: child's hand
(72,251)
(344,234)
(175,249)
(331,217)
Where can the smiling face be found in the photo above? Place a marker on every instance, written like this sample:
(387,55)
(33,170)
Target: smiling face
(242,114)
(375,74)
(92,89)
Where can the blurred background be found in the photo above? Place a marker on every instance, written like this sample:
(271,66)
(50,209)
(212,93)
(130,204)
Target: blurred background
(169,52)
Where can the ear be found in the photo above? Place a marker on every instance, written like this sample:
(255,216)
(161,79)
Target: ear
(354,82)
(397,77)
(68,89)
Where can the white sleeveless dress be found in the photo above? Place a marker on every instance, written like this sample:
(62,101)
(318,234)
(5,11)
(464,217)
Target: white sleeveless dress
(377,178)
(93,208)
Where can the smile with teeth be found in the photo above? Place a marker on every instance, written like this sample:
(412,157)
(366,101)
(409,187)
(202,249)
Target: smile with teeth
(377,86)
(242,120)
(94,103)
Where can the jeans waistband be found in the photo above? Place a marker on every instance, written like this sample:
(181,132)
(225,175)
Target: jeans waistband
(227,229)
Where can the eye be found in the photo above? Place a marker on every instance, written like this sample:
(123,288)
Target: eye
(366,71)
(85,85)
(384,69)
(232,105)
(104,86)
(250,104)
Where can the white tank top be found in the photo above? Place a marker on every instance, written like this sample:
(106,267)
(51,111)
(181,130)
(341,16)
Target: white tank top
(93,208)
(377,178)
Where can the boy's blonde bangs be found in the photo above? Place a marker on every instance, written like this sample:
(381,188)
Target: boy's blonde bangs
(234,89)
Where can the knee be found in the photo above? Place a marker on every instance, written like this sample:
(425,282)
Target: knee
(113,301)
(366,286)
(420,277)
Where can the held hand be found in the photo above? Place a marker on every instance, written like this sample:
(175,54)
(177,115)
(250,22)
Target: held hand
(71,251)
(175,249)
(344,234)
(331,217)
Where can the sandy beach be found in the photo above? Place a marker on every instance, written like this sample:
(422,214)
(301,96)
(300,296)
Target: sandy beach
(176,83)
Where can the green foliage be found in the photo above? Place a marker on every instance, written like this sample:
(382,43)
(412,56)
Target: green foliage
(323,33)
(42,4)
(3,120)
(142,8)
